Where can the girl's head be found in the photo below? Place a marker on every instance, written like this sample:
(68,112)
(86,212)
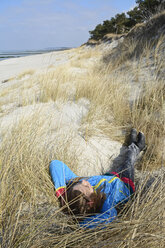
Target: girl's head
(81,199)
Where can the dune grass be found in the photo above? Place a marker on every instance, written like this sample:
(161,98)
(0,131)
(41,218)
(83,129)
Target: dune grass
(29,212)
(25,73)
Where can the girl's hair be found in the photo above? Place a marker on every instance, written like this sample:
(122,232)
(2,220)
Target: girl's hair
(78,204)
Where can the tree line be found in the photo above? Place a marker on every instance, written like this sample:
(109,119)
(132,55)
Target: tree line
(123,22)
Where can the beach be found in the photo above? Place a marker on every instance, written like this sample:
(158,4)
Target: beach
(23,53)
(10,68)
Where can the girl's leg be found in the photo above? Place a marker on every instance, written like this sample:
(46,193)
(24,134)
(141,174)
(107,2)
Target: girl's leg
(126,169)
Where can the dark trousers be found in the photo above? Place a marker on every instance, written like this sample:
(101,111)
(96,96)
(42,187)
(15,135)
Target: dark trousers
(126,169)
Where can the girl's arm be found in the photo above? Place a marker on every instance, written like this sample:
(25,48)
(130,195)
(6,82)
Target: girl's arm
(99,220)
(60,174)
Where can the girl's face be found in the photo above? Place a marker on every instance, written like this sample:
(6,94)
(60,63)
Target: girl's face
(85,187)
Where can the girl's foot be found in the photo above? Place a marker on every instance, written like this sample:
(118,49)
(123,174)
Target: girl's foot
(133,136)
(141,141)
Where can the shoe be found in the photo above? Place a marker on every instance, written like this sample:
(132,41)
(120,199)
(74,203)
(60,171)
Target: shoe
(133,136)
(141,141)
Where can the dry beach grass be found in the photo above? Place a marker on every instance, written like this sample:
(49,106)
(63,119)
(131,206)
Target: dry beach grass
(59,113)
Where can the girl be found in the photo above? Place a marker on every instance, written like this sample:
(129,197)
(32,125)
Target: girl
(97,199)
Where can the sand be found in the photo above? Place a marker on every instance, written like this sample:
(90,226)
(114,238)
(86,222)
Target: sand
(62,120)
(10,68)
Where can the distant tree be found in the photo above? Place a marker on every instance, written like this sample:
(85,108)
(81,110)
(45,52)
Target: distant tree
(109,26)
(149,7)
(135,16)
(117,24)
(100,30)
(122,23)
(97,33)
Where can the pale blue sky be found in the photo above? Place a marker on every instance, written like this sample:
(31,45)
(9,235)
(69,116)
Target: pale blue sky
(35,24)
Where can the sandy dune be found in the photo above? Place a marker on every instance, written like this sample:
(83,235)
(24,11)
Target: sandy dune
(62,119)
